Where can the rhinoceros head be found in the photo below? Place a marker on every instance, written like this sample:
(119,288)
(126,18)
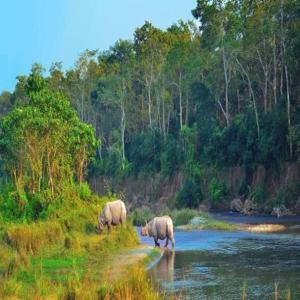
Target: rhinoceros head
(100,226)
(144,230)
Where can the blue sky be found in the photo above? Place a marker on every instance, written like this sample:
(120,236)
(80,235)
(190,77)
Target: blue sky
(47,31)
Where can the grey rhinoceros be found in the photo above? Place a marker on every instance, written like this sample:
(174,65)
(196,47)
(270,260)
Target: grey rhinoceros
(160,228)
(113,213)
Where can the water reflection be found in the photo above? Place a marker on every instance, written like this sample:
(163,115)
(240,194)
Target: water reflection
(218,265)
(164,270)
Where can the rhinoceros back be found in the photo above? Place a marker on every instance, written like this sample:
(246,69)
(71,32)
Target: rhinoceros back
(116,212)
(161,227)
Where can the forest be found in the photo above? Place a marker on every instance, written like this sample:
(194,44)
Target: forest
(214,99)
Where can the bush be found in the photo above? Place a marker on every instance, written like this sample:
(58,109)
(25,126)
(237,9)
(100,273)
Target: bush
(141,215)
(217,191)
(170,158)
(84,191)
(190,195)
(12,203)
(184,216)
(258,194)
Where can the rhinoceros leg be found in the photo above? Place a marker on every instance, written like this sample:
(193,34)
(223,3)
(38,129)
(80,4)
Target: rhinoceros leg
(156,243)
(108,227)
(167,242)
(173,243)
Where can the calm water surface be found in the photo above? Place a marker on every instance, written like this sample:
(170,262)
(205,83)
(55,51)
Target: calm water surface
(219,265)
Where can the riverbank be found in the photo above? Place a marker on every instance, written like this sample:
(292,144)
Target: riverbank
(63,258)
(206,221)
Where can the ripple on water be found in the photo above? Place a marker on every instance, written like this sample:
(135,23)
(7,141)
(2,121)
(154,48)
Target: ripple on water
(219,265)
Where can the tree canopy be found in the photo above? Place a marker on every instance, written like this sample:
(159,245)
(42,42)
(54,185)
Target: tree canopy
(218,92)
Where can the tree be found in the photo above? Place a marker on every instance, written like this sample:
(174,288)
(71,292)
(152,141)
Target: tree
(43,143)
(116,85)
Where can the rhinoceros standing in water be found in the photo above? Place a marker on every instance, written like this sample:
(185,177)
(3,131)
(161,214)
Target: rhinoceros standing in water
(113,213)
(160,228)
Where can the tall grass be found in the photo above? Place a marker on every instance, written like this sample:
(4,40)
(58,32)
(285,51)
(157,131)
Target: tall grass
(31,238)
(63,258)
(134,285)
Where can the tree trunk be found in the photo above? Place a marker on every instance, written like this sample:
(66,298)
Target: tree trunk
(281,47)
(251,95)
(225,67)
(286,82)
(148,85)
(163,120)
(266,72)
(180,99)
(288,110)
(168,124)
(275,71)
(187,108)
(51,184)
(123,119)
(238,99)
(123,124)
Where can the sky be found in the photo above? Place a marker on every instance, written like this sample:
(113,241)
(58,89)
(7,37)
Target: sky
(47,31)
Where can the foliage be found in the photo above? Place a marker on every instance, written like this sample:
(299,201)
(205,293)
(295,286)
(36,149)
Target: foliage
(217,93)
(183,216)
(258,194)
(141,215)
(217,191)
(62,256)
(190,195)
(43,145)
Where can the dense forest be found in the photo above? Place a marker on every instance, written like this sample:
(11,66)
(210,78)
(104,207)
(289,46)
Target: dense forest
(215,99)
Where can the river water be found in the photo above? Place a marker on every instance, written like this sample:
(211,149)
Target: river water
(210,264)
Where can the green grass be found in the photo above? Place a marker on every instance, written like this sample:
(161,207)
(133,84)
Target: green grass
(63,258)
(192,220)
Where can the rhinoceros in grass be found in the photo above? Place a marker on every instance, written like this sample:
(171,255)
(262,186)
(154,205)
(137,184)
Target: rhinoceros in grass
(160,228)
(113,213)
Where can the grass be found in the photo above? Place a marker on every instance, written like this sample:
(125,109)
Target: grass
(135,285)
(189,219)
(63,258)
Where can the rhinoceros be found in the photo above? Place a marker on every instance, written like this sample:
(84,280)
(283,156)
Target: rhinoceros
(160,228)
(113,213)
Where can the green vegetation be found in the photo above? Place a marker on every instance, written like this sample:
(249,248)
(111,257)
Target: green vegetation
(186,219)
(48,245)
(184,216)
(199,101)
(189,219)
(62,257)
(216,105)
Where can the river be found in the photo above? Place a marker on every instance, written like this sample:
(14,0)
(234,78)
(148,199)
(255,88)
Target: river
(210,264)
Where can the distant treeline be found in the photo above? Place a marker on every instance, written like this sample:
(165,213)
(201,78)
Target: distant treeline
(217,92)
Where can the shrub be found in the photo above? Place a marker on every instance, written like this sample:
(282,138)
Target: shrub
(170,158)
(141,215)
(258,194)
(183,217)
(217,191)
(190,195)
(84,191)
(12,203)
